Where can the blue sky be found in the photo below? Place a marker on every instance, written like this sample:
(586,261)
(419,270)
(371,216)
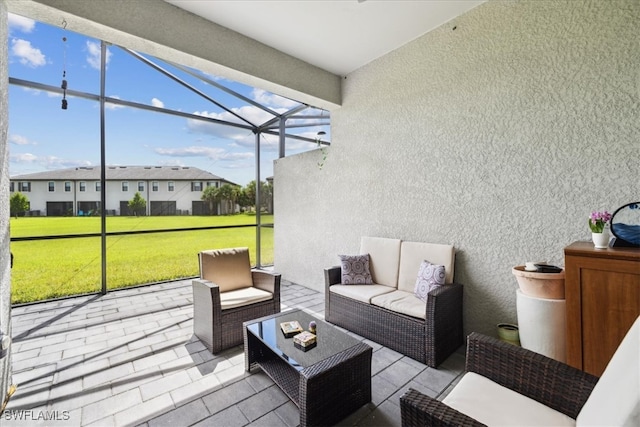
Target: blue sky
(42,136)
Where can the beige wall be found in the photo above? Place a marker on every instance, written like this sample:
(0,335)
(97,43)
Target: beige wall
(499,136)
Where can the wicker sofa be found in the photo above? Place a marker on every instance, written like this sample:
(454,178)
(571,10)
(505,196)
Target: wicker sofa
(388,312)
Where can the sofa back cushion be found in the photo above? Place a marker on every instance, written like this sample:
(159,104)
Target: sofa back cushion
(384,259)
(230,269)
(615,400)
(413,253)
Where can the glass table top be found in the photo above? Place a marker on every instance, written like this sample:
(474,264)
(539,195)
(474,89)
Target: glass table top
(329,339)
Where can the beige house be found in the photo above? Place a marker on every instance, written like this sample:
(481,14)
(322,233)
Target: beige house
(168,190)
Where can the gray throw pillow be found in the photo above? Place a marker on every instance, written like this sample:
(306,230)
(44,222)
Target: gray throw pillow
(355,269)
(430,276)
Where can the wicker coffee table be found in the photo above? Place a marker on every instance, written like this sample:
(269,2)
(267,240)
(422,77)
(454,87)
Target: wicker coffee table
(327,382)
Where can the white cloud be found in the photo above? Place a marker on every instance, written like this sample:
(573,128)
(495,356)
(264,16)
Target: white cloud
(27,54)
(273,101)
(48,162)
(53,162)
(157,103)
(110,106)
(20,140)
(23,158)
(175,162)
(213,153)
(93,56)
(252,114)
(21,23)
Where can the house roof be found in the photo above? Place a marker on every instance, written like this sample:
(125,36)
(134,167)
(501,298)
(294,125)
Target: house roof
(118,173)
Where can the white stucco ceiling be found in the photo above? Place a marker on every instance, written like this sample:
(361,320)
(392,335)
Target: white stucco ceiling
(338,36)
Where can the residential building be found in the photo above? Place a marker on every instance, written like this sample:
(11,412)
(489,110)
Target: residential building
(168,190)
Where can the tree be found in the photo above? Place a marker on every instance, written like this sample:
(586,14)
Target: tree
(210,195)
(18,204)
(265,193)
(243,199)
(229,194)
(137,204)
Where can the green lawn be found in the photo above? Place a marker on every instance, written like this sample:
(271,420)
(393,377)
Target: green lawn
(45,269)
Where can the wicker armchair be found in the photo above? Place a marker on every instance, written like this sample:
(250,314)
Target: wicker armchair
(229,293)
(507,385)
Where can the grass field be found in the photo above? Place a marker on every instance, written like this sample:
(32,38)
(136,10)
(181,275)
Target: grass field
(45,269)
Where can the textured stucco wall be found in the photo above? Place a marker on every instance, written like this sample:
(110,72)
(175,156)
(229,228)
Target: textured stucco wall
(5,272)
(499,137)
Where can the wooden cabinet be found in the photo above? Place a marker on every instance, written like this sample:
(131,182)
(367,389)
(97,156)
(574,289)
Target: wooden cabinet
(602,291)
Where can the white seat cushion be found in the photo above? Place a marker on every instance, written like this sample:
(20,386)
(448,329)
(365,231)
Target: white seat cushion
(402,302)
(240,297)
(413,253)
(384,259)
(494,405)
(615,400)
(362,293)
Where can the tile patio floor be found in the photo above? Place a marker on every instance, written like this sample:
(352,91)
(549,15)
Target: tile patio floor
(129,358)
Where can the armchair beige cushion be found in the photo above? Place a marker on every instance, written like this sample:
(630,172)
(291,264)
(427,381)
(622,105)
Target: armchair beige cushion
(495,405)
(230,269)
(245,296)
(615,400)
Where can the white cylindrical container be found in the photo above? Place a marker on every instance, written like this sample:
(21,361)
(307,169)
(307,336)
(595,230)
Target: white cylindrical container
(541,324)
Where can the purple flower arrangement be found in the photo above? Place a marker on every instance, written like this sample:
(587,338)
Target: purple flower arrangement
(598,220)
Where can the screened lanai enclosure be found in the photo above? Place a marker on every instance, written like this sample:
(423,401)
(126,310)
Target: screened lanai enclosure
(86,115)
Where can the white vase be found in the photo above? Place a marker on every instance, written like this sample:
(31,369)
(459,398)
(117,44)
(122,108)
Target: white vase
(600,240)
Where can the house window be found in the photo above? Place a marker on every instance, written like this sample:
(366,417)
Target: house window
(170,186)
(11,187)
(154,186)
(140,185)
(98,186)
(196,186)
(24,187)
(125,185)
(67,186)
(52,186)
(83,186)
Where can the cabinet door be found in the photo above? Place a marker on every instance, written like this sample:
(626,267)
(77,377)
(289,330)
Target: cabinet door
(605,301)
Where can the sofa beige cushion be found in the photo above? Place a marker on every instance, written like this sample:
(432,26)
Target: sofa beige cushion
(230,269)
(384,258)
(244,296)
(362,293)
(411,256)
(495,405)
(401,302)
(615,400)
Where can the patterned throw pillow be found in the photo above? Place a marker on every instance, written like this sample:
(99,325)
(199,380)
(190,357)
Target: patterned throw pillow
(430,276)
(355,269)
